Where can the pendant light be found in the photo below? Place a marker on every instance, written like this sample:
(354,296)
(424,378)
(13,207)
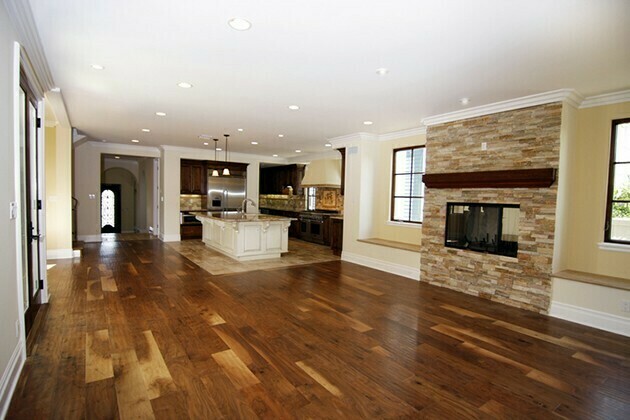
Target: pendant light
(215,172)
(226,170)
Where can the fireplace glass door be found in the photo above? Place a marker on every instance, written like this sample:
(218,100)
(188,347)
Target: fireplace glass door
(483,227)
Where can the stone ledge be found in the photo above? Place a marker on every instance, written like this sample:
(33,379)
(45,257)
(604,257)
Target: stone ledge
(582,277)
(391,244)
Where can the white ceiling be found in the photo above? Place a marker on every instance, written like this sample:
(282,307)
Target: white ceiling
(321,55)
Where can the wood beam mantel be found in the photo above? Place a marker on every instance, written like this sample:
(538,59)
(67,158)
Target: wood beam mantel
(517,178)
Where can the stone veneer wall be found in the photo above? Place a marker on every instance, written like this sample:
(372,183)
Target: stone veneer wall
(520,139)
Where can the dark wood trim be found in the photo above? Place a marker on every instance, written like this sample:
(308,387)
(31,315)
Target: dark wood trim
(516,178)
(611,183)
(342,151)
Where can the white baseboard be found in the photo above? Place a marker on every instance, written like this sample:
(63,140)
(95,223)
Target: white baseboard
(401,270)
(59,254)
(76,253)
(10,377)
(90,238)
(170,238)
(602,320)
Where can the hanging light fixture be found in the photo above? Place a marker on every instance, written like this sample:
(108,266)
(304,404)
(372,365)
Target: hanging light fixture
(226,170)
(215,172)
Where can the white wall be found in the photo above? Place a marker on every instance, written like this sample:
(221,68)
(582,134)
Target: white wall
(11,347)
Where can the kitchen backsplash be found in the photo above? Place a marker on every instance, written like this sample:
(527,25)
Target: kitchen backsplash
(325,199)
(193,202)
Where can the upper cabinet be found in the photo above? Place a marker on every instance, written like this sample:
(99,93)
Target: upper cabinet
(274,179)
(237,169)
(193,177)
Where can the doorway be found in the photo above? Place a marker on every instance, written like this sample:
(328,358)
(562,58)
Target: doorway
(31,205)
(110,208)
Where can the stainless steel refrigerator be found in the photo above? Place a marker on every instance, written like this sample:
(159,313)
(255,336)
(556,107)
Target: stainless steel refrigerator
(226,193)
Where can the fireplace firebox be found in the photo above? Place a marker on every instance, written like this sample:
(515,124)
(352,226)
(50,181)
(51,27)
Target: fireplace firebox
(483,227)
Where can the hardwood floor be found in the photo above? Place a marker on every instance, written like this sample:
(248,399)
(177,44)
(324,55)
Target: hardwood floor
(135,330)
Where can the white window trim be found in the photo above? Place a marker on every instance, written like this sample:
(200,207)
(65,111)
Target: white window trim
(404,224)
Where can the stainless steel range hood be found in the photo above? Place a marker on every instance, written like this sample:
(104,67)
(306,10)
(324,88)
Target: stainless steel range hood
(323,173)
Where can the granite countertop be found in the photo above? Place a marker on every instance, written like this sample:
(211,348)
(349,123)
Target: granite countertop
(247,217)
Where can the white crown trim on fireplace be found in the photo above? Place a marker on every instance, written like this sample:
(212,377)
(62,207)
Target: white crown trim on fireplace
(562,95)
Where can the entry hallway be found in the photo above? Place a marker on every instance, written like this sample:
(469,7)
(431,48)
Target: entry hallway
(136,330)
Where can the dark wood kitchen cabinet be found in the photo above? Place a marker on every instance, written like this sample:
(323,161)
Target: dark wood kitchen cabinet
(237,169)
(276,178)
(192,177)
(336,235)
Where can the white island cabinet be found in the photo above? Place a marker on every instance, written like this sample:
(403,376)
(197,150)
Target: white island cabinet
(246,236)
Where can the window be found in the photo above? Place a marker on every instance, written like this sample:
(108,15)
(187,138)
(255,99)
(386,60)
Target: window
(311,194)
(407,186)
(618,206)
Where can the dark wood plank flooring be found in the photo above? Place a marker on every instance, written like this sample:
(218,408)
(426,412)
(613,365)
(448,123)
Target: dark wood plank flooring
(135,330)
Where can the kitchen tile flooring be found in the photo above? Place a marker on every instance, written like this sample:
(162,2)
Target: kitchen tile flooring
(300,252)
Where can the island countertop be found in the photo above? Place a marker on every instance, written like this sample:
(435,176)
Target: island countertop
(240,217)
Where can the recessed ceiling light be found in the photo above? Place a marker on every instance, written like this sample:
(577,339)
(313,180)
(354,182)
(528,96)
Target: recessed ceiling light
(464,101)
(239,24)
(116,157)
(328,145)
(280,135)
(135,141)
(239,129)
(275,155)
(367,123)
(98,67)
(294,107)
(382,71)
(146,130)
(184,85)
(298,151)
(160,114)
(254,142)
(205,143)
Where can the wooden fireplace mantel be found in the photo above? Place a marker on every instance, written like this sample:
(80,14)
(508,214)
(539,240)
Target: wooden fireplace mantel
(516,178)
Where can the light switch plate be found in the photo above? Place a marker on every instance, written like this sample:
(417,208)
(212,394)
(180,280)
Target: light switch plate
(12,210)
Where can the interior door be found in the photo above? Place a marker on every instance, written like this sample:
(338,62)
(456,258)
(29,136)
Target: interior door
(30,204)
(110,208)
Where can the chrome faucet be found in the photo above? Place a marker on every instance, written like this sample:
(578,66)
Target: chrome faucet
(244,205)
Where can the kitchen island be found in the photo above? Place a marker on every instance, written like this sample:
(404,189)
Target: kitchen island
(246,236)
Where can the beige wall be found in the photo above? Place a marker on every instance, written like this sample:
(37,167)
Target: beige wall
(87,180)
(589,182)
(584,167)
(366,203)
(58,155)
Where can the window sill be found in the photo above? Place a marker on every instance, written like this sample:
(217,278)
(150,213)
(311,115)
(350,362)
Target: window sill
(404,224)
(597,279)
(391,244)
(609,246)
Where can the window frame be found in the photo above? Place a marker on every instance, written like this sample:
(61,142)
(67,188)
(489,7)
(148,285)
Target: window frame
(611,183)
(311,195)
(393,195)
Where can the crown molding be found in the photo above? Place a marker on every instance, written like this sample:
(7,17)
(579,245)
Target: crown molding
(606,99)
(32,51)
(209,154)
(418,131)
(126,149)
(569,96)
(353,139)
(55,101)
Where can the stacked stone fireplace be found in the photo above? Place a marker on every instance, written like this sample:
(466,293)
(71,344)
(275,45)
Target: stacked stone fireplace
(526,138)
